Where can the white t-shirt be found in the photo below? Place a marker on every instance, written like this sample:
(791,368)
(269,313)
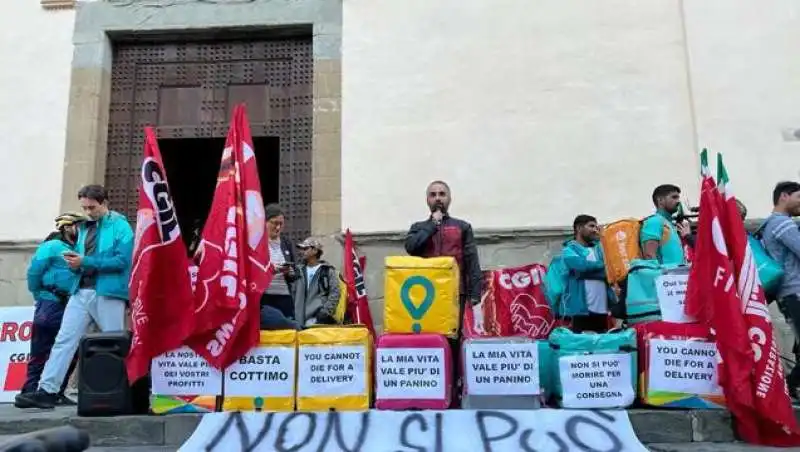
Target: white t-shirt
(596,293)
(310,272)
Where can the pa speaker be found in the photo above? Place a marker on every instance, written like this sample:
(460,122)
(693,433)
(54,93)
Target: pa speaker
(103,388)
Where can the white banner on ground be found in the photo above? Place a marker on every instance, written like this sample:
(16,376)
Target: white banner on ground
(184,372)
(389,431)
(687,367)
(16,326)
(410,373)
(495,368)
(596,381)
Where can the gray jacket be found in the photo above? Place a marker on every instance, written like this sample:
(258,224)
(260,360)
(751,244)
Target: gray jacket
(315,301)
(781,238)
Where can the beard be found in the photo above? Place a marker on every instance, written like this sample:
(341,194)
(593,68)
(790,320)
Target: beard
(438,206)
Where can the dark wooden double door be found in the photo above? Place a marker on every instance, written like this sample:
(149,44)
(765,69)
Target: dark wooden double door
(188,91)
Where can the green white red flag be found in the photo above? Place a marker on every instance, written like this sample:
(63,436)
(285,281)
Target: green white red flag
(723,293)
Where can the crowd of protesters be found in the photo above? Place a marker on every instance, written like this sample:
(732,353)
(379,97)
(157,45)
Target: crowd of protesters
(79,274)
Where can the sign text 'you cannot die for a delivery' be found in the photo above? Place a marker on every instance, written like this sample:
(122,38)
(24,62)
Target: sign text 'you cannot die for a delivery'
(332,370)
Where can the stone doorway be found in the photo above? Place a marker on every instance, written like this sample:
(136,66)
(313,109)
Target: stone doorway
(188,90)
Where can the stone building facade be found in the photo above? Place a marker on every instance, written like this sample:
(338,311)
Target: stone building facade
(533,110)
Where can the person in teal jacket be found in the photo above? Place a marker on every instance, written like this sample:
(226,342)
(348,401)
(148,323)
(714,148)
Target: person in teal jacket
(50,281)
(660,236)
(586,295)
(102,260)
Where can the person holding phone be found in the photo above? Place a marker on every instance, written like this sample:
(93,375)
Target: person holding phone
(50,281)
(277,305)
(101,260)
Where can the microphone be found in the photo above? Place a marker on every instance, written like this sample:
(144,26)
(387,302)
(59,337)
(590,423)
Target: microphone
(439,209)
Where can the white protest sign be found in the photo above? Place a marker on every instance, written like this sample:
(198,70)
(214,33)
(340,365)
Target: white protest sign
(15,347)
(183,372)
(687,367)
(596,381)
(267,371)
(494,368)
(544,430)
(671,294)
(410,373)
(331,370)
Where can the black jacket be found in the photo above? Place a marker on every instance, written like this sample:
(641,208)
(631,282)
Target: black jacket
(288,254)
(454,238)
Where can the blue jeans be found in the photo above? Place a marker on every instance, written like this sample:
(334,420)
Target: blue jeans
(273,319)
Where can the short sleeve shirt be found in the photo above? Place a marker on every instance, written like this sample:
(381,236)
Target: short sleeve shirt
(670,251)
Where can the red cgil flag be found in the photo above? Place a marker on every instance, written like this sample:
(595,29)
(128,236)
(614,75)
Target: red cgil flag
(233,257)
(162,303)
(777,425)
(353,276)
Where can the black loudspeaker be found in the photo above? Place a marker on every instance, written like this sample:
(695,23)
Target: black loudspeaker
(103,388)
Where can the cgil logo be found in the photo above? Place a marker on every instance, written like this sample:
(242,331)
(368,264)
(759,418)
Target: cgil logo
(522,279)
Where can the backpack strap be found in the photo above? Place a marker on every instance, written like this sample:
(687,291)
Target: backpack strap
(324,281)
(665,232)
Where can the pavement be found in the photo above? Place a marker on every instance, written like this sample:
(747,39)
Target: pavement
(660,430)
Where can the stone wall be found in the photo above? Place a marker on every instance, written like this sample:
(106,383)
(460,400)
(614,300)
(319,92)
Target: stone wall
(14,260)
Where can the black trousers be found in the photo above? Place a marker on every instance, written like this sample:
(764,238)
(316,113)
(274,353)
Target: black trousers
(46,322)
(790,308)
(597,323)
(283,303)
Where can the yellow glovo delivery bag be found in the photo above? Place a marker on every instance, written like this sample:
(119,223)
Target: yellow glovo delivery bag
(264,379)
(334,368)
(421,295)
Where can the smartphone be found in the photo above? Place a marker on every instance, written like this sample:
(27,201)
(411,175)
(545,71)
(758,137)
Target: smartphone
(70,253)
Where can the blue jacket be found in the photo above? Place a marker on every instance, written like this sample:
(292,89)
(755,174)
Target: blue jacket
(49,273)
(112,255)
(580,268)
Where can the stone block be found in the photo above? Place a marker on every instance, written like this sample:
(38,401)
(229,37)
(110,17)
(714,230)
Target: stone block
(712,426)
(327,121)
(327,80)
(326,216)
(653,426)
(327,189)
(179,427)
(25,421)
(327,45)
(119,431)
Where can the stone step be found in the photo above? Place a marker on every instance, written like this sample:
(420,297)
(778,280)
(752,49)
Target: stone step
(663,428)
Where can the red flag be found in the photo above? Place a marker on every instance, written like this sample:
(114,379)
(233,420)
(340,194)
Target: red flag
(162,303)
(777,424)
(353,276)
(711,298)
(233,255)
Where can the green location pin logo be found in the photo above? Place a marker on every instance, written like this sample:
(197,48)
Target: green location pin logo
(417,312)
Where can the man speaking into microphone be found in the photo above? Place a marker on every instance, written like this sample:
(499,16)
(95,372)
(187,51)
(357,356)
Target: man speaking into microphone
(444,236)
